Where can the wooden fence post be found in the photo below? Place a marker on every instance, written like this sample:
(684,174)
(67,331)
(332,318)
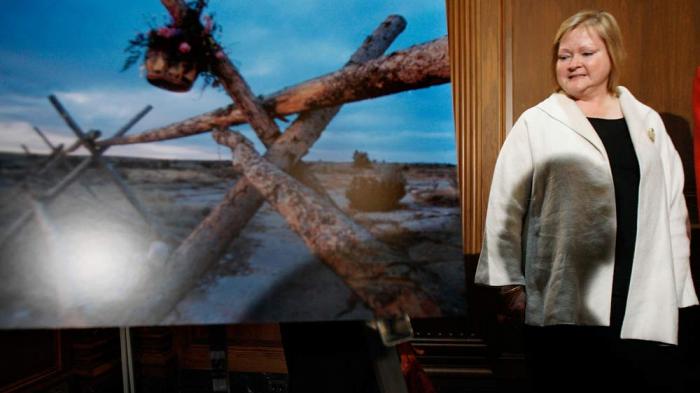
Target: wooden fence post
(420,66)
(381,277)
(209,241)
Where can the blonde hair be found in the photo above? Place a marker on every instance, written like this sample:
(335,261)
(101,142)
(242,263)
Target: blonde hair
(605,25)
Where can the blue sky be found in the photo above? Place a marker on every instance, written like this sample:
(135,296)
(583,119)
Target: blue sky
(75,49)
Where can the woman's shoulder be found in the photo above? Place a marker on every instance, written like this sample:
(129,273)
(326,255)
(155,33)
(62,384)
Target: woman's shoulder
(542,110)
(630,103)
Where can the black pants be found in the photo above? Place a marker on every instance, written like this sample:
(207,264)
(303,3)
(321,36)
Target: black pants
(566,358)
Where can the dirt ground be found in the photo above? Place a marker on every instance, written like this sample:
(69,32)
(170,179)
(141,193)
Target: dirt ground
(81,259)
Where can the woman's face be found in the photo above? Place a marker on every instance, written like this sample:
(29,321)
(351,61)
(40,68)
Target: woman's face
(583,64)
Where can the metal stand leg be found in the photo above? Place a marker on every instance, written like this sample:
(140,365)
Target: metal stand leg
(386,363)
(127,360)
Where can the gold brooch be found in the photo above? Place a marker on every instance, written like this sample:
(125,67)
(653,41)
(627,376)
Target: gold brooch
(650,133)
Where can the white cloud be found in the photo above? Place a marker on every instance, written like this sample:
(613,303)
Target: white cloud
(381,124)
(324,51)
(262,67)
(13,105)
(106,107)
(363,118)
(254,32)
(292,61)
(15,134)
(76,97)
(23,100)
(166,152)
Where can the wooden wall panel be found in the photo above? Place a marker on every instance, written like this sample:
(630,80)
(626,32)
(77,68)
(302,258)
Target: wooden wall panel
(251,348)
(477,53)
(29,357)
(669,55)
(660,38)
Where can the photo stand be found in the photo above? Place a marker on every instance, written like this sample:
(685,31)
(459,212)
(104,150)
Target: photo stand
(387,365)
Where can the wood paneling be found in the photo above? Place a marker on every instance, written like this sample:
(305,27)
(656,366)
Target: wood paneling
(661,39)
(500,56)
(76,360)
(251,348)
(29,357)
(478,67)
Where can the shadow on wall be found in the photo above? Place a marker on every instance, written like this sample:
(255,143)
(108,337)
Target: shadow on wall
(689,318)
(679,130)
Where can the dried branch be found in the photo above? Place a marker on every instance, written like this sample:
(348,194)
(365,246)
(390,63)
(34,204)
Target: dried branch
(379,276)
(416,67)
(209,241)
(176,8)
(234,84)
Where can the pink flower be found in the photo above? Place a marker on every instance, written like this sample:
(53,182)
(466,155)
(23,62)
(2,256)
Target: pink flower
(167,32)
(220,55)
(184,47)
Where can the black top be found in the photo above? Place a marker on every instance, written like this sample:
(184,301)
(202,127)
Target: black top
(625,172)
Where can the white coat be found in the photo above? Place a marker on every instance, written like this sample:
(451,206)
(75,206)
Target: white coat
(551,222)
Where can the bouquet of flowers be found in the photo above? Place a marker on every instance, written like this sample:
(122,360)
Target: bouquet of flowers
(176,54)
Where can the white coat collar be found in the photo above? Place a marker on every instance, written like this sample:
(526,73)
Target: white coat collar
(637,119)
(564,109)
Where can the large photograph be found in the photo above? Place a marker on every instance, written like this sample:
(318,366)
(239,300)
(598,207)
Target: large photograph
(221,162)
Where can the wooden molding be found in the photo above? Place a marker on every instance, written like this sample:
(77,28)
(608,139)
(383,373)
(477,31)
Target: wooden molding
(250,348)
(477,43)
(40,374)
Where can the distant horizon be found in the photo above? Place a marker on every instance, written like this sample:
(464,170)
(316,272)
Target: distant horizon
(22,154)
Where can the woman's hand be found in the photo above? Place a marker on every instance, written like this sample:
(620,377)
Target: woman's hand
(514,300)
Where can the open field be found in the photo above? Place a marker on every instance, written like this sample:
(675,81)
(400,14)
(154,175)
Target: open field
(83,258)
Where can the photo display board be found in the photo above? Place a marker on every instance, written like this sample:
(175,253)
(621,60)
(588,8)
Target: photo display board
(309,173)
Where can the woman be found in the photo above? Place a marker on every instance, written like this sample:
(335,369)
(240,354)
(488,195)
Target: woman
(586,231)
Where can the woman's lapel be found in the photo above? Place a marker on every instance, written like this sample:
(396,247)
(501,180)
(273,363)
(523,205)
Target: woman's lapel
(563,109)
(643,136)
